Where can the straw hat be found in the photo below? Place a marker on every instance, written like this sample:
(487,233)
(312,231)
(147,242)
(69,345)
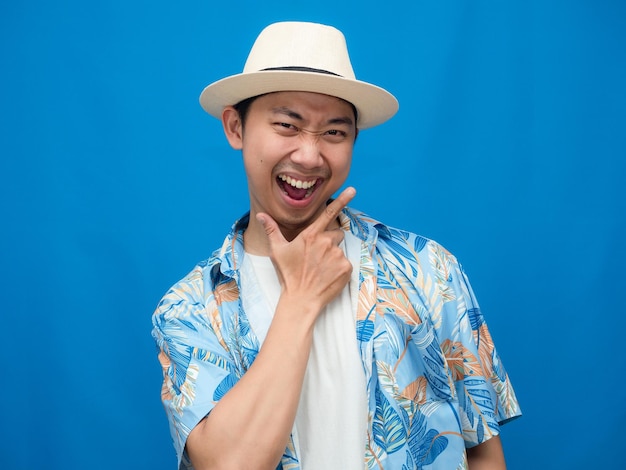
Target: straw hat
(296,56)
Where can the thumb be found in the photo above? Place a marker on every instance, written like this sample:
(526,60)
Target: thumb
(270,227)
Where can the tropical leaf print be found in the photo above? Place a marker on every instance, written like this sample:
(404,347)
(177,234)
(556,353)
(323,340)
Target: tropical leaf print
(388,429)
(419,243)
(288,463)
(425,445)
(367,300)
(241,344)
(435,368)
(385,278)
(248,348)
(400,256)
(397,240)
(180,302)
(243,325)
(187,392)
(396,301)
(498,368)
(367,289)
(416,320)
(366,263)
(416,391)
(478,408)
(408,463)
(188,324)
(224,386)
(212,358)
(215,320)
(374,454)
(355,224)
(167,390)
(485,349)
(437,380)
(482,400)
(507,404)
(226,292)
(386,378)
(480,431)
(467,412)
(476,318)
(289,460)
(169,335)
(454,358)
(364,330)
(441,265)
(432,301)
(392,339)
(438,444)
(460,360)
(416,435)
(405,248)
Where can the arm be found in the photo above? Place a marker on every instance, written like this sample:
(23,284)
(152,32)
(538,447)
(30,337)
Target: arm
(487,455)
(255,418)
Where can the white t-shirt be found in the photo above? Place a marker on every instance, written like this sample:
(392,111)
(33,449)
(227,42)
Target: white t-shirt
(331,421)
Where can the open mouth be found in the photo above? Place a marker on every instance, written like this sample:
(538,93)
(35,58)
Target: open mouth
(297,189)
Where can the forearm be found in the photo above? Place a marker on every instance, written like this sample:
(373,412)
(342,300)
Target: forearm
(255,418)
(487,456)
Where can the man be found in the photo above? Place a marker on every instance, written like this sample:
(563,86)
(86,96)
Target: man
(316,337)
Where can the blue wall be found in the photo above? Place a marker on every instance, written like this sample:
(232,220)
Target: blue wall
(508,148)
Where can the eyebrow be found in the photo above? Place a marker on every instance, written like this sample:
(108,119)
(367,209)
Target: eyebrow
(294,115)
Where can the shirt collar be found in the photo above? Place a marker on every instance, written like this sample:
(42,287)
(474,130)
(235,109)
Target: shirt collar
(230,255)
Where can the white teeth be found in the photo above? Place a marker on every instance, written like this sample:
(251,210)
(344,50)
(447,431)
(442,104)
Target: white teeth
(297,183)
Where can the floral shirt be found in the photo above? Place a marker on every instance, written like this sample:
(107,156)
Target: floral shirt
(435,383)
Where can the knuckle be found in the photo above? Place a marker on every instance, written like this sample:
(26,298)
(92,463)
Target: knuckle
(308,236)
(330,211)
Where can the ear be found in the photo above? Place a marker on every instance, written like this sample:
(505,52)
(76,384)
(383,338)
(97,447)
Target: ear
(233,128)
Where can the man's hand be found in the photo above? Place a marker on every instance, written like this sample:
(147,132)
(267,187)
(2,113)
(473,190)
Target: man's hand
(312,267)
(256,416)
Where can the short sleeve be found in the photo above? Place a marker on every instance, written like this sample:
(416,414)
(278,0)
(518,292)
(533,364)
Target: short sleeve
(484,390)
(197,368)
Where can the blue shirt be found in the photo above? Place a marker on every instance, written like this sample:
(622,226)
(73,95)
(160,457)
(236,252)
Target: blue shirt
(435,383)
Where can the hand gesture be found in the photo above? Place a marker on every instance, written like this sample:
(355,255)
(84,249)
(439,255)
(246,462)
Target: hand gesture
(312,268)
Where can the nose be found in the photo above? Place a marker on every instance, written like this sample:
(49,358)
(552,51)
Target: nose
(308,153)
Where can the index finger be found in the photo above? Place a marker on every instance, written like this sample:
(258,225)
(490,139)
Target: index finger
(332,210)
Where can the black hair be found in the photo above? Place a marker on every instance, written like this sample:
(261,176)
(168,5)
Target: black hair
(244,106)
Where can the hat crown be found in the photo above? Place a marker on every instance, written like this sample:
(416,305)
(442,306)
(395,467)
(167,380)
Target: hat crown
(298,44)
(306,57)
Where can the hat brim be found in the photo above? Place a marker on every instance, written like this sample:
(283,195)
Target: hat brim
(374,104)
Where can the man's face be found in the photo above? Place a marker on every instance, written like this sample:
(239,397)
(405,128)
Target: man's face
(297,150)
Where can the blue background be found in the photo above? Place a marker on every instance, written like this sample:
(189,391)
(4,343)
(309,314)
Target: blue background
(508,149)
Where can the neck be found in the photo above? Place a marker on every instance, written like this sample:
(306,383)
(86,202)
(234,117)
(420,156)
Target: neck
(255,239)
